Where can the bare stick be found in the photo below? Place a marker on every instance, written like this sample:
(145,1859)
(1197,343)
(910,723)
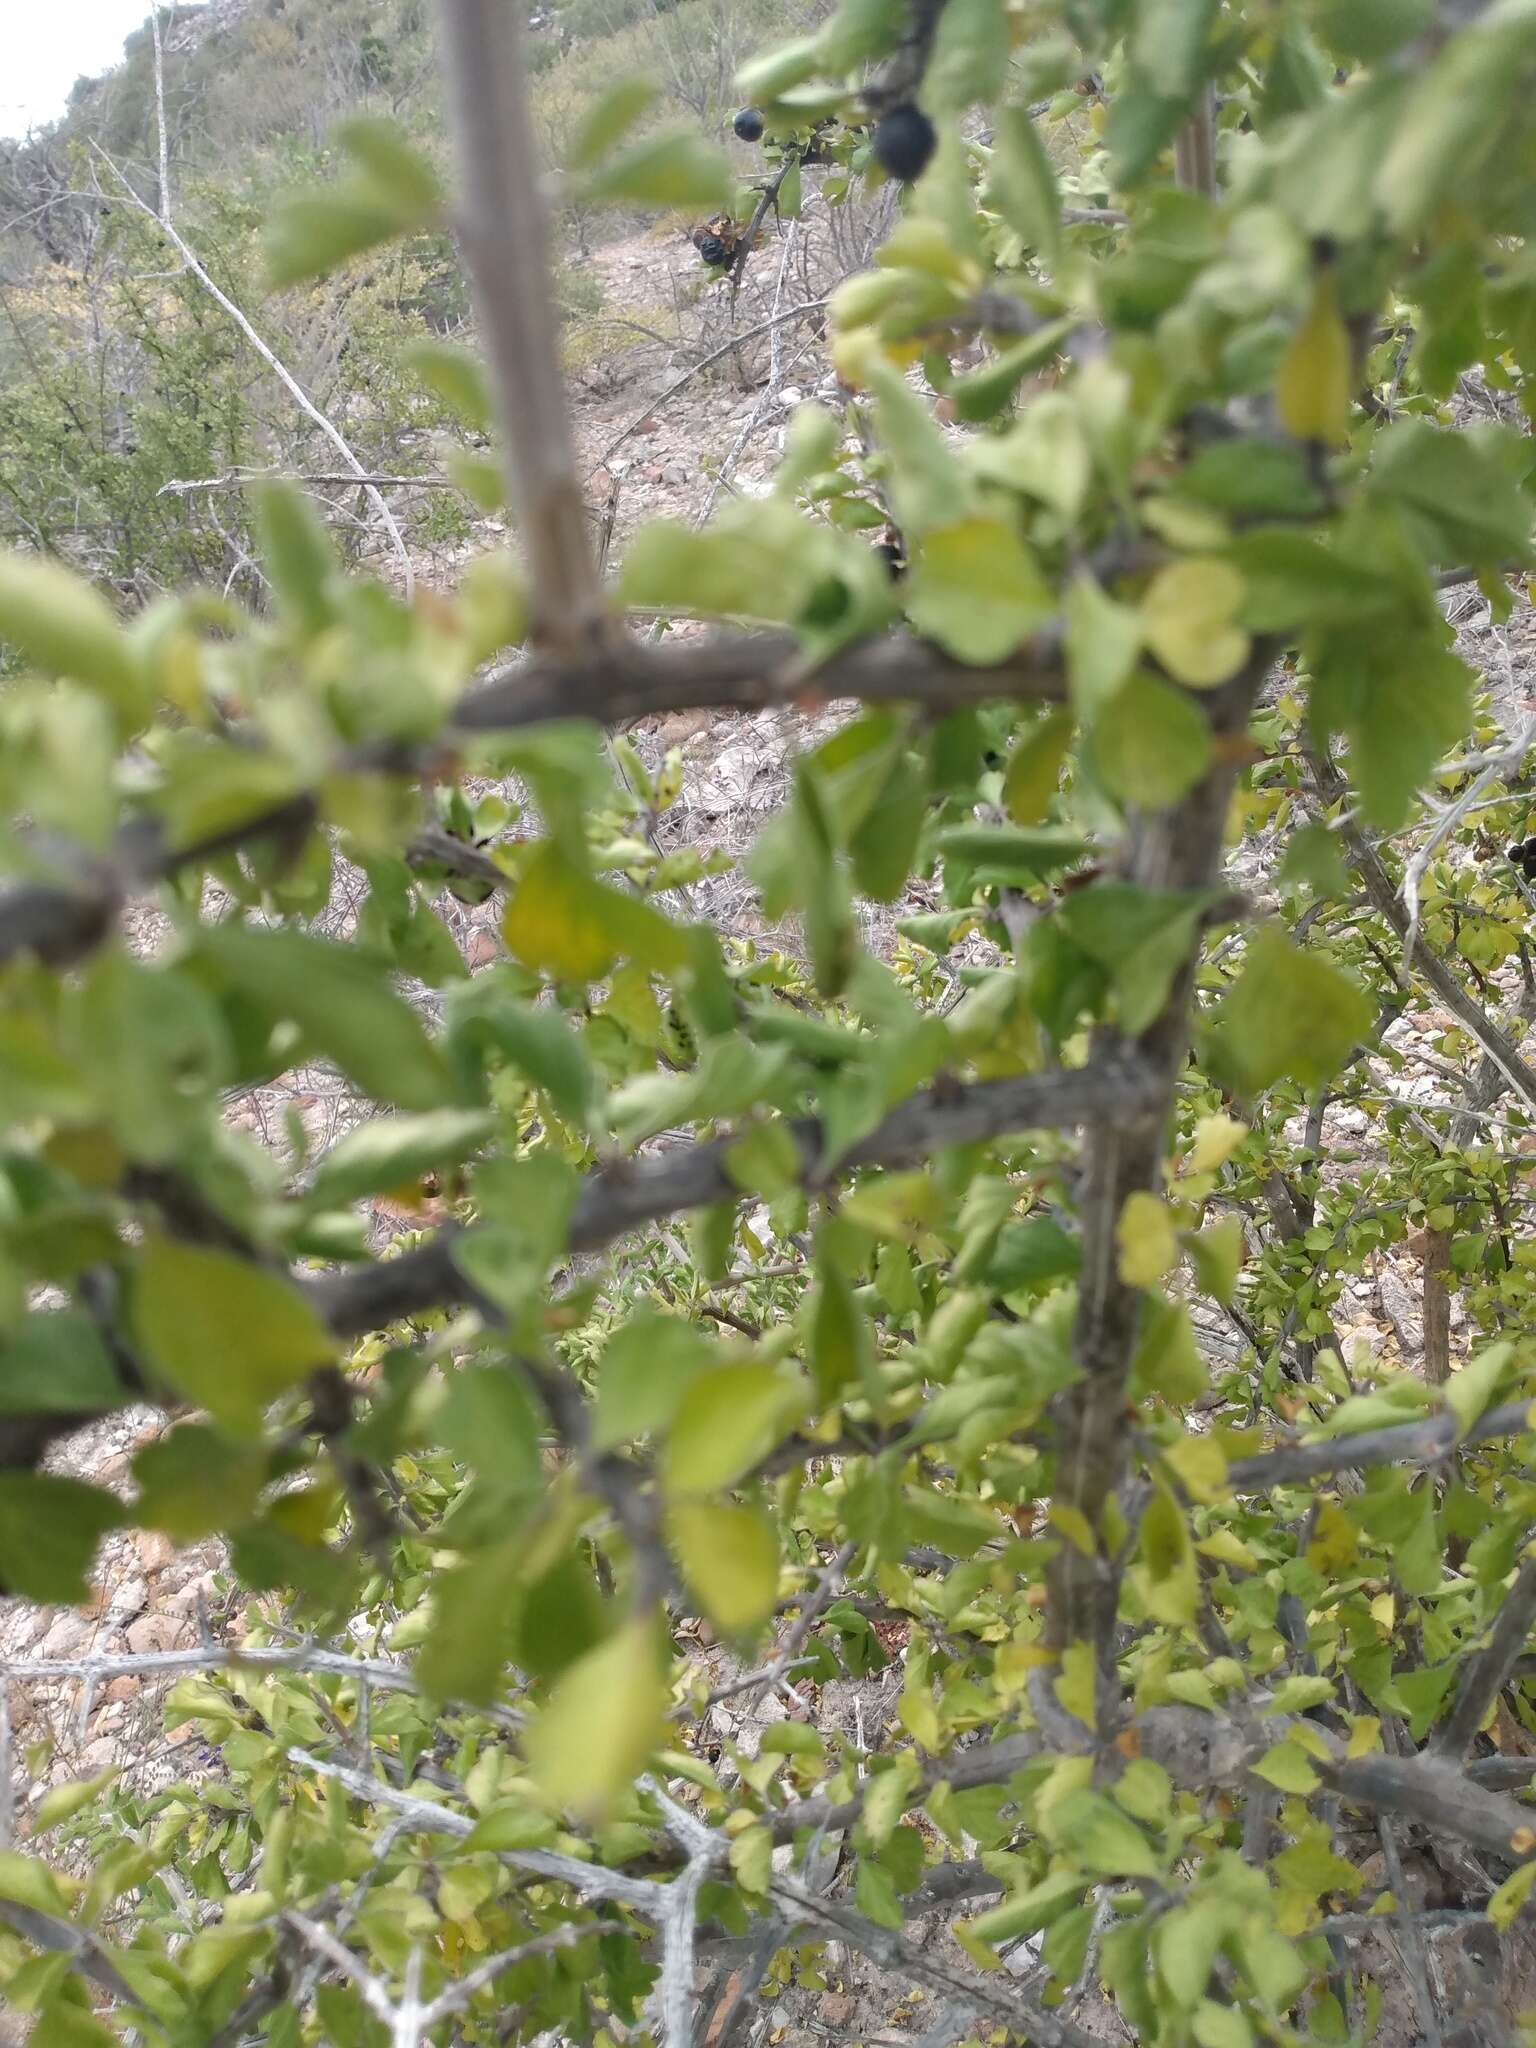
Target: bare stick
(165,153)
(239,480)
(280,370)
(504,236)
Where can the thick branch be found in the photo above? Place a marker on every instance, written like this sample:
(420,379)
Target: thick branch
(694,1176)
(1176,849)
(1485,1676)
(1424,1442)
(62,921)
(504,236)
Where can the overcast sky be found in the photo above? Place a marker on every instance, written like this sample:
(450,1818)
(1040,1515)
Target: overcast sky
(45,45)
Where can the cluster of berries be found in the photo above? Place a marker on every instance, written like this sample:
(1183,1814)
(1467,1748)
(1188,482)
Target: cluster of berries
(903,139)
(1523,854)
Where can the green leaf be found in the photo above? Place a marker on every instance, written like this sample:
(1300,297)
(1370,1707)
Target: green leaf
(1103,640)
(1471,1390)
(1168,1360)
(474,1617)
(62,1801)
(49,1529)
(1290,1013)
(62,627)
(1146,1239)
(1172,1589)
(1151,743)
(510,1827)
(1460,492)
(488,1420)
(975,589)
(1029,1911)
(929,490)
(1021,183)
(609,120)
(296,553)
(884,843)
(1141,937)
(1009,852)
(1218,1252)
(57,1361)
(1106,1842)
(1455,116)
(27,1881)
(227,1335)
(839,1342)
(1185,1943)
(1403,700)
(1187,618)
(388,1152)
(1505,1904)
(342,1002)
(194,1481)
(1264,479)
(393,191)
(1034,767)
(646,1368)
(728,1420)
(730,1556)
(457,377)
(1313,385)
(970,55)
(680,170)
(601,1722)
(1287,1768)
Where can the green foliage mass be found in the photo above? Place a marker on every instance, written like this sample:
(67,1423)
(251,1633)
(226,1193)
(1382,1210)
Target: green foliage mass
(802,1304)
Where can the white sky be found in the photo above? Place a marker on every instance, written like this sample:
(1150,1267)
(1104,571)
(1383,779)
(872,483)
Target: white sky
(45,45)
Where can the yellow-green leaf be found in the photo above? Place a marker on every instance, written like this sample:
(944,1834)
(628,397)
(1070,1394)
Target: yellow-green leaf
(227,1335)
(1148,1242)
(65,628)
(1187,617)
(596,1731)
(1312,386)
(730,1556)
(1034,769)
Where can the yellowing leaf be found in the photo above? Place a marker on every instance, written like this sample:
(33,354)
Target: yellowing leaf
(975,589)
(730,1556)
(1201,1465)
(227,1335)
(1504,1906)
(596,1731)
(1364,1735)
(1034,769)
(1312,386)
(729,1419)
(1217,1137)
(1149,1245)
(1073,1524)
(1287,1769)
(1187,618)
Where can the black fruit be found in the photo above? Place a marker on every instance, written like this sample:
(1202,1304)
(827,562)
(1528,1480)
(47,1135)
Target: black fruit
(713,250)
(749,125)
(904,141)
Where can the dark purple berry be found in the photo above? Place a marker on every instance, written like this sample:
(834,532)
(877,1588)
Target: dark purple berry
(904,141)
(748,125)
(713,250)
